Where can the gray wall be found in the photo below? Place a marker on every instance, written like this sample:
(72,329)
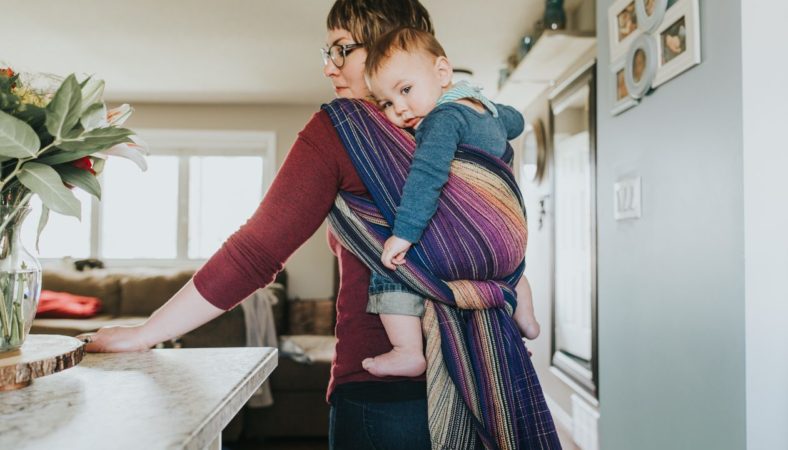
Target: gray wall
(671,284)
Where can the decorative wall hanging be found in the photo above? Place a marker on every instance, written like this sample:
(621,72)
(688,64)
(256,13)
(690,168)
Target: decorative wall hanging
(640,65)
(622,101)
(650,14)
(678,41)
(622,27)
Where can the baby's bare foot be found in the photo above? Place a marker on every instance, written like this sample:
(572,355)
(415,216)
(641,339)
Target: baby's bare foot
(530,329)
(526,321)
(396,363)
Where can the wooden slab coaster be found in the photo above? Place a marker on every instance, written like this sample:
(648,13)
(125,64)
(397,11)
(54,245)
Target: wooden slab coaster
(40,355)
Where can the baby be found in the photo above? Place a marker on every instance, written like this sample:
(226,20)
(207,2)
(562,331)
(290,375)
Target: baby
(410,78)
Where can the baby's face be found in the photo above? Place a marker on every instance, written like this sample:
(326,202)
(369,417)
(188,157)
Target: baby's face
(409,85)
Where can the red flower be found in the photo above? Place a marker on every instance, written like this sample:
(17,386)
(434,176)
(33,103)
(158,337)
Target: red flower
(7,72)
(84,163)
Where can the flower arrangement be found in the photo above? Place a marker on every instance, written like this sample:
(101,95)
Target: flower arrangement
(55,135)
(52,140)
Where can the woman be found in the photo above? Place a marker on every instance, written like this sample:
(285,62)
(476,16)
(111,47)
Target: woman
(366,411)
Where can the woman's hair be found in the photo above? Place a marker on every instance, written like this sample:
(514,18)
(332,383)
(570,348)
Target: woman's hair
(368,20)
(409,40)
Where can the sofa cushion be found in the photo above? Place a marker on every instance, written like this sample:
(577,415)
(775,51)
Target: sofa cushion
(100,283)
(142,291)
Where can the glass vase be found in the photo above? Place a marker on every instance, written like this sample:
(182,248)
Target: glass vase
(20,279)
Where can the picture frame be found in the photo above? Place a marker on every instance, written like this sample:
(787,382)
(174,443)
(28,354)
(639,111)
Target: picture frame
(622,27)
(621,99)
(650,14)
(641,65)
(678,41)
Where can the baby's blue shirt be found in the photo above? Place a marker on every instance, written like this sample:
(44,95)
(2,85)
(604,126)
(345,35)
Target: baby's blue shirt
(448,125)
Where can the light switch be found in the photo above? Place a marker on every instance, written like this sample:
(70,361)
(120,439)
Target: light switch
(627,198)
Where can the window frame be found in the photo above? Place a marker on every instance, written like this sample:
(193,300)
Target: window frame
(184,143)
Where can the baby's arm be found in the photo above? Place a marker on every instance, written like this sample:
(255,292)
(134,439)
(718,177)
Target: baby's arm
(512,120)
(394,250)
(436,143)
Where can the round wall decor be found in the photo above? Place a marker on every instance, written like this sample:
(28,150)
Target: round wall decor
(641,65)
(650,14)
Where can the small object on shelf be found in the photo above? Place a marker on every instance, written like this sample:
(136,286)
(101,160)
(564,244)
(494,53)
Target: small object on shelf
(554,15)
(526,43)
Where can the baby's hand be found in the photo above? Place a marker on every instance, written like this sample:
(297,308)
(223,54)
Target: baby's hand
(394,252)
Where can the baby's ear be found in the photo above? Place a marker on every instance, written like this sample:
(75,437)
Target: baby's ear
(444,70)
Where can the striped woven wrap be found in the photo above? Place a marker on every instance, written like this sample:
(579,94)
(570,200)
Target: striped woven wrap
(483,391)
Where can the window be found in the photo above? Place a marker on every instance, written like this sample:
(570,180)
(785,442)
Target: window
(200,186)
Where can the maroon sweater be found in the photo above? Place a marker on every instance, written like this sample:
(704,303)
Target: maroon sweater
(316,169)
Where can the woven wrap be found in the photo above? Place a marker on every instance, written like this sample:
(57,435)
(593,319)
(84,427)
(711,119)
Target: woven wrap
(483,391)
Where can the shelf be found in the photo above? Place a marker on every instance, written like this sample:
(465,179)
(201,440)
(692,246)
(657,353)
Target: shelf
(551,57)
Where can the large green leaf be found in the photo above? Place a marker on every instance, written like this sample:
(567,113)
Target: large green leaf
(45,181)
(60,157)
(17,139)
(80,178)
(98,139)
(65,109)
(42,222)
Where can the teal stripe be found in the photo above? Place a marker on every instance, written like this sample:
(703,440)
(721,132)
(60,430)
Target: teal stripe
(463,89)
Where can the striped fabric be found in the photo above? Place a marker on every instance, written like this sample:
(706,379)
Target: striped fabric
(482,388)
(463,89)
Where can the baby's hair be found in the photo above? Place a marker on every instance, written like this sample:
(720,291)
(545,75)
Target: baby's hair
(402,39)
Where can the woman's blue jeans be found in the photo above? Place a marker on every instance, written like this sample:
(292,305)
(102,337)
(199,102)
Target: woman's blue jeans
(362,425)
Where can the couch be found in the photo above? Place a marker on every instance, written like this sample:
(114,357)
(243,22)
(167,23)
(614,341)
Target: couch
(299,382)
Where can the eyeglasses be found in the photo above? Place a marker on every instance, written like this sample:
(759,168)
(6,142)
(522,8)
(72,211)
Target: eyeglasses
(338,53)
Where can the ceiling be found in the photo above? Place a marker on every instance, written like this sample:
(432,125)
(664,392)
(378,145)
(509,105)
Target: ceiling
(230,51)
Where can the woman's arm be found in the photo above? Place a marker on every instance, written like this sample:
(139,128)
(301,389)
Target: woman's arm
(294,207)
(185,311)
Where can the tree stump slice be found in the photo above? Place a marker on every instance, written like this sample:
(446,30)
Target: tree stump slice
(40,355)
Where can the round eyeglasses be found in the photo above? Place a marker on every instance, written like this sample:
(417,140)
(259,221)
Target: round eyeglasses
(338,53)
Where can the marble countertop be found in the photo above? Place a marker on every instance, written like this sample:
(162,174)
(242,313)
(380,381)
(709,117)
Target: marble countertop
(159,399)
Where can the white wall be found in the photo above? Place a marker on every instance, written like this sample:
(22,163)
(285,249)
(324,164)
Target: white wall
(765,106)
(310,269)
